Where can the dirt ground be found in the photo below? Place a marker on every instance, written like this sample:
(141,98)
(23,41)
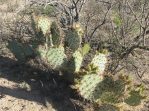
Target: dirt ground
(31,87)
(23,88)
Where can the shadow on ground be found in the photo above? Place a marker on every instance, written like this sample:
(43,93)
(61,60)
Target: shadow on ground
(51,88)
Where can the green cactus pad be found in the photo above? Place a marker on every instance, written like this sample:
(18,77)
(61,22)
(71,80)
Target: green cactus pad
(78,58)
(134,99)
(112,90)
(56,57)
(55,32)
(44,24)
(48,10)
(21,51)
(87,86)
(85,49)
(42,52)
(75,62)
(100,61)
(110,97)
(73,40)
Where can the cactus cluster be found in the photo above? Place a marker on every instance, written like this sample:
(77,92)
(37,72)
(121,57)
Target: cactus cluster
(91,82)
(53,51)
(105,89)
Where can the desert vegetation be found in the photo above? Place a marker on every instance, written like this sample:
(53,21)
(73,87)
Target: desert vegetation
(74,55)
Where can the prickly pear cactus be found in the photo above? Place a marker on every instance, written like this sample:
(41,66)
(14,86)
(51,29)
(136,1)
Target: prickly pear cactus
(87,86)
(78,58)
(115,93)
(55,33)
(112,90)
(56,57)
(99,89)
(100,61)
(44,24)
(73,40)
(134,99)
(41,51)
(21,51)
(73,37)
(85,49)
(75,62)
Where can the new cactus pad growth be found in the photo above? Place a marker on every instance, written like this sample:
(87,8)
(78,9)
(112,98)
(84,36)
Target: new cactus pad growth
(134,99)
(78,28)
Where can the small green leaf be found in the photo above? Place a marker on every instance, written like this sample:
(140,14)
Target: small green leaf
(85,49)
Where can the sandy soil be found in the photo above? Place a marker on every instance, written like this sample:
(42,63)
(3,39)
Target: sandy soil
(9,101)
(26,88)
